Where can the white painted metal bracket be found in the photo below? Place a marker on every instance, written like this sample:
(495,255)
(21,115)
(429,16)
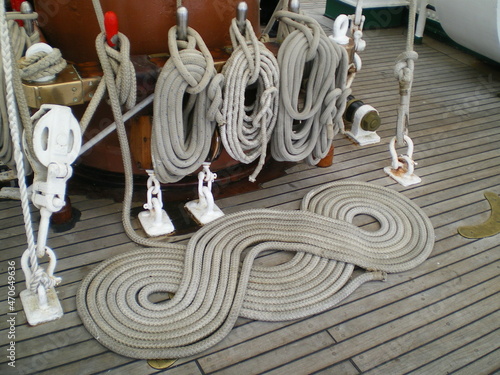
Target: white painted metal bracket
(56,143)
(155,221)
(402,168)
(357,134)
(204,209)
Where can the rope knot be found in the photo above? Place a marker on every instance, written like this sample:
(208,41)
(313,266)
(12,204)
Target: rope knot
(306,26)
(405,65)
(41,64)
(122,67)
(189,61)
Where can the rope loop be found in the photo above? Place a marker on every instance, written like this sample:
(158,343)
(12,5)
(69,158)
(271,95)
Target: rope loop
(184,54)
(41,64)
(306,26)
(121,67)
(405,65)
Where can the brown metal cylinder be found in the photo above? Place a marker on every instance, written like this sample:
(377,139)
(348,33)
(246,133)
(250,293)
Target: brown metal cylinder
(72,25)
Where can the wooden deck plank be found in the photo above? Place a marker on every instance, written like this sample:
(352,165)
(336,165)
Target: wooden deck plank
(455,115)
(268,361)
(469,352)
(455,336)
(487,364)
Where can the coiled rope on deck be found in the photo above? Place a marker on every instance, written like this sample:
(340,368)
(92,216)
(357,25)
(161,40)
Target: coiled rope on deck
(215,280)
(313,91)
(246,128)
(182,130)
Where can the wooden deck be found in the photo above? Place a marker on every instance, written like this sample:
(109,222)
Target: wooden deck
(441,317)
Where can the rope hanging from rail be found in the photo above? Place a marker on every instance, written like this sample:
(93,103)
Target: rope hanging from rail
(215,280)
(252,70)
(182,130)
(313,91)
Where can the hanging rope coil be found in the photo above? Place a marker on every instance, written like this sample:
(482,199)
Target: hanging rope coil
(182,130)
(41,65)
(246,128)
(313,91)
(215,280)
(20,40)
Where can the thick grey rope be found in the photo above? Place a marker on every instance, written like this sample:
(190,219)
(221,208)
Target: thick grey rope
(215,281)
(314,69)
(246,128)
(182,130)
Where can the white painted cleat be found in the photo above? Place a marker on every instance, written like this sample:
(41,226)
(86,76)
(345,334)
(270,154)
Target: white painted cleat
(37,312)
(154,227)
(201,213)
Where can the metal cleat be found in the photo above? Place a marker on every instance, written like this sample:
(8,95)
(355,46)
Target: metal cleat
(364,119)
(204,210)
(402,167)
(155,220)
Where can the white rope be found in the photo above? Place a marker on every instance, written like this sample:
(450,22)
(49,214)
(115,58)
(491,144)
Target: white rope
(403,72)
(214,278)
(20,41)
(182,129)
(246,128)
(313,91)
(38,276)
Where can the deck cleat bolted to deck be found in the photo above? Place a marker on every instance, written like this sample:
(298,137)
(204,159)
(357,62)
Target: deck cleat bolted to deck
(403,166)
(155,220)
(364,119)
(204,209)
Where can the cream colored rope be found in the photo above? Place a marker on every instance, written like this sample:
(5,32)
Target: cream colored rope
(214,278)
(313,91)
(182,129)
(246,128)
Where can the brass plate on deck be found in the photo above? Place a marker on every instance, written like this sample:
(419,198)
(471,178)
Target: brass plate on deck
(491,226)
(161,364)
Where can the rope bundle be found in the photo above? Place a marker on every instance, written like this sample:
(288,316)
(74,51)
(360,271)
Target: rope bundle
(247,128)
(312,91)
(42,64)
(215,280)
(182,129)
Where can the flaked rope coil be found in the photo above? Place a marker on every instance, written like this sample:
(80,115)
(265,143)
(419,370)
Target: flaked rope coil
(246,128)
(313,92)
(215,280)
